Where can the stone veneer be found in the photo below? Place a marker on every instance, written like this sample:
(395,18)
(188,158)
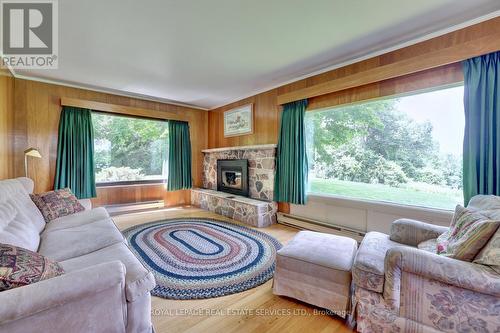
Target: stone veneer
(261,165)
(253,212)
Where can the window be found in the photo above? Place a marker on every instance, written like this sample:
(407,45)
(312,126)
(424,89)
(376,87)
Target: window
(405,150)
(129,149)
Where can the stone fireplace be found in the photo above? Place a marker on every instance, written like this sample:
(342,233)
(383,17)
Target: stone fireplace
(261,165)
(224,179)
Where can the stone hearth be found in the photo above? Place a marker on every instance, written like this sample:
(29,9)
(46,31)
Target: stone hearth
(259,210)
(256,213)
(261,165)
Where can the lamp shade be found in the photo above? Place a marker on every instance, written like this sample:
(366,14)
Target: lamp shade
(32,152)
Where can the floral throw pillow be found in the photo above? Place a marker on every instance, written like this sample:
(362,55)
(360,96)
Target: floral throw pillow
(468,234)
(20,267)
(57,203)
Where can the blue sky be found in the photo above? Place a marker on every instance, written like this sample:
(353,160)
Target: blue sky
(445,110)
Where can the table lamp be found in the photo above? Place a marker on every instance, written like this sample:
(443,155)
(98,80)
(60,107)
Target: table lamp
(30,152)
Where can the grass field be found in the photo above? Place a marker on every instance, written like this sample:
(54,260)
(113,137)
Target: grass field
(431,196)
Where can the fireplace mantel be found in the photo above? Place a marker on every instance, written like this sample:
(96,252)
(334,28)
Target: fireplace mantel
(253,147)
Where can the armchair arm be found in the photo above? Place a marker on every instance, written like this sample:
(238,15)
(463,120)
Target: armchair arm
(413,232)
(78,301)
(462,274)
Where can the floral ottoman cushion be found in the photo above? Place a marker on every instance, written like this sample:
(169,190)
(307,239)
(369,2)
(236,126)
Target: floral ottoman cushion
(57,203)
(20,267)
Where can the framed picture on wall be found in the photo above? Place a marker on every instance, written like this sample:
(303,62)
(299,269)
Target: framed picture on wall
(238,121)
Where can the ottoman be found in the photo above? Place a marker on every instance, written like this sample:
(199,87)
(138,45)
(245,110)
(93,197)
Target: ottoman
(316,268)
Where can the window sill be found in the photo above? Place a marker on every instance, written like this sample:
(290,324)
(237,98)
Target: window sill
(131,183)
(385,206)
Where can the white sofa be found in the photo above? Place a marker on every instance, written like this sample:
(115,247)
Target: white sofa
(104,288)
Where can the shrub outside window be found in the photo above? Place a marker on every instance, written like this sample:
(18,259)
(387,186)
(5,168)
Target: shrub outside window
(129,150)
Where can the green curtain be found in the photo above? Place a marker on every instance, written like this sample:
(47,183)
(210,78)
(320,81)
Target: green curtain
(75,153)
(290,180)
(481,169)
(179,156)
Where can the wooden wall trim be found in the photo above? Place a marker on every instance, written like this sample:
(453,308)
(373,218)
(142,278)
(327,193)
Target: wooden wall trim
(446,55)
(6,121)
(35,121)
(430,79)
(120,109)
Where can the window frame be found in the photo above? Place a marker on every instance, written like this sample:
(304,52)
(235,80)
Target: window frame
(381,204)
(130,182)
(372,202)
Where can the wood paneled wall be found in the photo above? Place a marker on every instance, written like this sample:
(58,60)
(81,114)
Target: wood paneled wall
(36,119)
(6,118)
(472,41)
(267,110)
(29,113)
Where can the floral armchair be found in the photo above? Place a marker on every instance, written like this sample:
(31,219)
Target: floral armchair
(401,288)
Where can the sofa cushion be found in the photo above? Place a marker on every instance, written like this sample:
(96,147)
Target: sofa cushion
(429,245)
(487,205)
(16,192)
(76,241)
(368,268)
(490,254)
(16,228)
(78,219)
(469,232)
(54,204)
(138,280)
(20,267)
(86,203)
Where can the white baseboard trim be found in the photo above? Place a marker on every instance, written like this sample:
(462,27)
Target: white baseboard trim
(120,209)
(315,225)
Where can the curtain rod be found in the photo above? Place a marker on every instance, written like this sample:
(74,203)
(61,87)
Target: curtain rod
(121,109)
(436,58)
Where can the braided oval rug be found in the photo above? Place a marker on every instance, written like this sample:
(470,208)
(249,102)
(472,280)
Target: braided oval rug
(194,258)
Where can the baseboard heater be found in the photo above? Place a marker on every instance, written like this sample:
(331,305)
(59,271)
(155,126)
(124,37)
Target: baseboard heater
(114,210)
(314,225)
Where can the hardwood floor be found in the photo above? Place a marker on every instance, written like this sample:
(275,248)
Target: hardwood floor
(254,310)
